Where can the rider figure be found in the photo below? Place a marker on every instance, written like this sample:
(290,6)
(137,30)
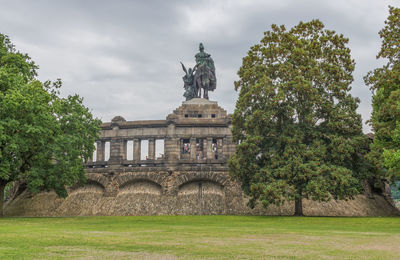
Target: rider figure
(205,72)
(204,58)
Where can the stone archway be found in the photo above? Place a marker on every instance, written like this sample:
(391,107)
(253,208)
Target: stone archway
(201,193)
(138,194)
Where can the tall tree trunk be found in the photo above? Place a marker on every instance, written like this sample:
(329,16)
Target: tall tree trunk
(2,188)
(298,207)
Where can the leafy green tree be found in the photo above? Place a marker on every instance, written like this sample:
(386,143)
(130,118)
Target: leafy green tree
(296,123)
(384,83)
(44,139)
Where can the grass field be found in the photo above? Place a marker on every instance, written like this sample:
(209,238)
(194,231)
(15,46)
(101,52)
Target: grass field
(200,237)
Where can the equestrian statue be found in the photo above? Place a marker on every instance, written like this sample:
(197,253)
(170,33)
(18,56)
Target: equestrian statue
(202,76)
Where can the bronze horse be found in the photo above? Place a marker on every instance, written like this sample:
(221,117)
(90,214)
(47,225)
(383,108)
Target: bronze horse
(204,79)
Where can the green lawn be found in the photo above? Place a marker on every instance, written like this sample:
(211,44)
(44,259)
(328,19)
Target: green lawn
(201,237)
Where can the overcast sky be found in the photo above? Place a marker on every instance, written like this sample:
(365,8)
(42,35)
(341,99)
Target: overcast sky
(123,56)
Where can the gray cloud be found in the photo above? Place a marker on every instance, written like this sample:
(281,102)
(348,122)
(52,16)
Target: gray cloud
(123,56)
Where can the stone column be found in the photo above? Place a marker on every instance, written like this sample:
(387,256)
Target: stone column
(152,149)
(124,149)
(210,154)
(224,149)
(116,151)
(193,148)
(136,149)
(171,149)
(204,149)
(100,151)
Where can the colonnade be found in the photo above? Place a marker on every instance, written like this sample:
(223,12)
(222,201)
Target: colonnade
(200,148)
(118,149)
(204,139)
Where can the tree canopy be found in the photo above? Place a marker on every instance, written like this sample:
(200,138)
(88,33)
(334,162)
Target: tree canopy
(44,139)
(384,83)
(295,121)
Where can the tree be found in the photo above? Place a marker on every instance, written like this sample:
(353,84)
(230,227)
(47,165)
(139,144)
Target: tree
(298,130)
(44,139)
(384,83)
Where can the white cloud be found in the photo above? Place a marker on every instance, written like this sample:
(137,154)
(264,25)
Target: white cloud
(123,56)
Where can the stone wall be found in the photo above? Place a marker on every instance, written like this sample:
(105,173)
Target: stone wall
(190,191)
(191,178)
